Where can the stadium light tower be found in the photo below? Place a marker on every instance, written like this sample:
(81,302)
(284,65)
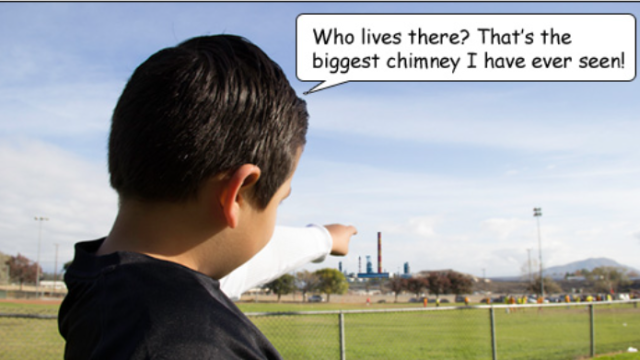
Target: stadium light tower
(39,219)
(537,212)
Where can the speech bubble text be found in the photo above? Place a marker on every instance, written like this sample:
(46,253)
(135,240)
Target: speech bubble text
(338,48)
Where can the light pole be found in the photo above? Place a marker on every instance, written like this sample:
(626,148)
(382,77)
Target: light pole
(55,271)
(537,212)
(39,219)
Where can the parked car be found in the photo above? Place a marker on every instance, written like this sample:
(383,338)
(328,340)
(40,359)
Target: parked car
(315,298)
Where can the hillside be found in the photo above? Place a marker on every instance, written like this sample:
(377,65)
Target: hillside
(558,272)
(589,264)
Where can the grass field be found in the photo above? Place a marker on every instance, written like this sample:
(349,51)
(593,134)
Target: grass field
(25,339)
(529,333)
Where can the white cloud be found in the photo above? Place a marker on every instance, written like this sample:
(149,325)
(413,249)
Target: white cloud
(45,180)
(483,123)
(63,109)
(504,228)
(423,226)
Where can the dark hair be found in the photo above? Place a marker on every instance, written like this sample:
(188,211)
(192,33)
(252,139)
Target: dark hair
(202,108)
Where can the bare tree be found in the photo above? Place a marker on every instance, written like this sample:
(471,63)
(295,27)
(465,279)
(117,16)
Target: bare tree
(550,286)
(306,282)
(23,270)
(397,285)
(438,283)
(417,285)
(459,283)
(608,279)
(528,270)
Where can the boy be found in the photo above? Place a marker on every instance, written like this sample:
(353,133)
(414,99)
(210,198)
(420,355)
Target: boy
(204,142)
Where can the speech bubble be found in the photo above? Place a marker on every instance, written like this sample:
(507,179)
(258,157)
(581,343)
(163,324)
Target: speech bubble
(338,48)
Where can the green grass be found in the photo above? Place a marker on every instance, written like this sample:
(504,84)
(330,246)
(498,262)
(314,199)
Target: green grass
(528,333)
(13,308)
(24,339)
(623,356)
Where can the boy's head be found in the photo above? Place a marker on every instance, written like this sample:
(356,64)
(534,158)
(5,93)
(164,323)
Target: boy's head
(203,109)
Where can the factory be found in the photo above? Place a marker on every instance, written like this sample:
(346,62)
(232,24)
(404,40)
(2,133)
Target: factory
(370,274)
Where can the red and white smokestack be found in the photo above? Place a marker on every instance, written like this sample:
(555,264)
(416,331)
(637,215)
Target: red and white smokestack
(379,253)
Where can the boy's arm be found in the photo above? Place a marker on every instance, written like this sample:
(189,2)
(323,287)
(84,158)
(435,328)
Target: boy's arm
(288,249)
(341,235)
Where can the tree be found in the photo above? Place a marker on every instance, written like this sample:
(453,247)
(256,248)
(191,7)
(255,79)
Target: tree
(584,272)
(306,282)
(285,284)
(550,286)
(528,270)
(459,283)
(608,279)
(397,285)
(331,281)
(416,285)
(438,283)
(23,270)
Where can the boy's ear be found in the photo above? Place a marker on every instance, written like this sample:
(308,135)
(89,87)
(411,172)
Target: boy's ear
(235,191)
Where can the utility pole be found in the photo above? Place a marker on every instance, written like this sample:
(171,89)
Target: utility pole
(39,219)
(55,271)
(530,274)
(537,212)
(484,280)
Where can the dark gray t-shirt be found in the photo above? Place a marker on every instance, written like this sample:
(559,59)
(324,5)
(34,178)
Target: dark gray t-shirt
(131,306)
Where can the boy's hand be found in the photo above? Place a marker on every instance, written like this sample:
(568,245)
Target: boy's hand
(341,235)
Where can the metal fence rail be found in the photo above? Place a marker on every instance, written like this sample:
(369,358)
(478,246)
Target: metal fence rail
(547,331)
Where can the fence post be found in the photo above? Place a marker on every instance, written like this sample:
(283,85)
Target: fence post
(342,344)
(494,348)
(593,332)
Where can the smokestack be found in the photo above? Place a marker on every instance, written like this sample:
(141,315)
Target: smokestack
(379,252)
(359,264)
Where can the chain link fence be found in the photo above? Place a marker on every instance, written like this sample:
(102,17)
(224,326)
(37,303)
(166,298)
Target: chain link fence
(549,331)
(30,333)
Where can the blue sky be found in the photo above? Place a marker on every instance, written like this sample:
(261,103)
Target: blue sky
(449,172)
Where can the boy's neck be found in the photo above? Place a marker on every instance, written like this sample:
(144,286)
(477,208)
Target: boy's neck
(176,232)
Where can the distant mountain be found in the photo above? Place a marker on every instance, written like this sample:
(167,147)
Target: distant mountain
(589,264)
(558,272)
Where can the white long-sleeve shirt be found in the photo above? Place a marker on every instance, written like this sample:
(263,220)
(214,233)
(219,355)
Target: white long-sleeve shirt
(289,248)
